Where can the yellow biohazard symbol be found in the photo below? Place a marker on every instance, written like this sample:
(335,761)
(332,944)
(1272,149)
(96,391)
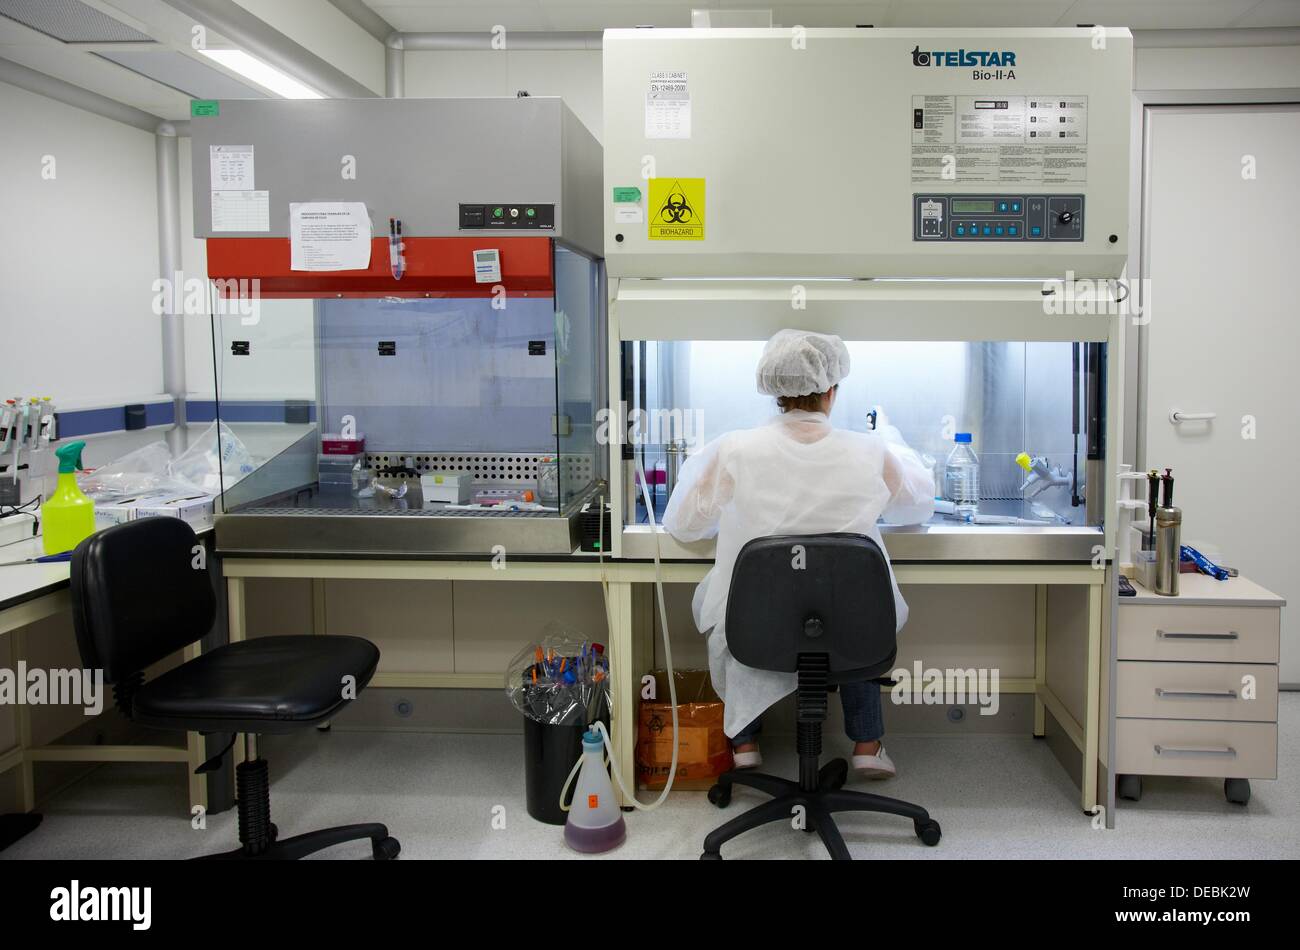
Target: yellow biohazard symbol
(679,209)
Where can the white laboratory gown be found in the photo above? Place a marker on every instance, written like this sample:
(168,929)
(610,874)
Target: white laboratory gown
(796,475)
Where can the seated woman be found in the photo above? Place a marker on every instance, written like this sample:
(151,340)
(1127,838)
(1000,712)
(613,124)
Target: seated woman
(795,475)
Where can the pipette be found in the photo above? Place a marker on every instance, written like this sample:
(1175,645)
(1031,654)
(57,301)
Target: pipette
(45,428)
(1153,502)
(8,412)
(396,260)
(24,426)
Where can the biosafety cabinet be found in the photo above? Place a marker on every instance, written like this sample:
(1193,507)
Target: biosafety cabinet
(408,303)
(953,203)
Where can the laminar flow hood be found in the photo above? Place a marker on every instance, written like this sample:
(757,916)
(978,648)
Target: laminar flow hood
(866,153)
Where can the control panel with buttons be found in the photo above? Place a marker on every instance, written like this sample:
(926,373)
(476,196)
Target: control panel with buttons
(507,217)
(1020,217)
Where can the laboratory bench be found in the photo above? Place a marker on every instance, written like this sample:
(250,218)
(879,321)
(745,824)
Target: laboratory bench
(1071,612)
(30,593)
(1066,683)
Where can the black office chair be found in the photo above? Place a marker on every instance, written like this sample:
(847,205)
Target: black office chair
(821,606)
(140,592)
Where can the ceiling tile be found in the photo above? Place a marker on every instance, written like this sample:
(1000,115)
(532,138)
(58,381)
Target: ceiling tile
(101,76)
(1158,14)
(1271,13)
(436,16)
(563,15)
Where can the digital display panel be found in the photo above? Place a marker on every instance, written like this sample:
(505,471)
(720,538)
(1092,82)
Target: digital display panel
(960,206)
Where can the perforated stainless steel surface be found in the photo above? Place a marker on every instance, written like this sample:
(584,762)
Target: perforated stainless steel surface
(71,22)
(324,512)
(488,468)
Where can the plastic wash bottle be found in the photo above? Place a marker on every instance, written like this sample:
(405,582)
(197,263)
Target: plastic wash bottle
(68,517)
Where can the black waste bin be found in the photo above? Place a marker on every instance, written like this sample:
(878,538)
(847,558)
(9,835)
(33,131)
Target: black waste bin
(549,755)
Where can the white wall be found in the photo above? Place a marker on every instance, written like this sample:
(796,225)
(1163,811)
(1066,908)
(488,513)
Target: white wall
(78,255)
(573,75)
(1235,67)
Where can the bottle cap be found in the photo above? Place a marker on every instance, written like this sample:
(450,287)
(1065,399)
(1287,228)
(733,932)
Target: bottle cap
(962,438)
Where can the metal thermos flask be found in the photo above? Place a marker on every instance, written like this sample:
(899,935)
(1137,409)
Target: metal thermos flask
(674,456)
(1169,531)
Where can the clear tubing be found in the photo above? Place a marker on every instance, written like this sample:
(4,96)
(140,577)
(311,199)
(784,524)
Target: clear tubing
(628,797)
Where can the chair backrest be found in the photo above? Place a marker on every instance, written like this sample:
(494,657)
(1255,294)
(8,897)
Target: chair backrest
(137,595)
(821,593)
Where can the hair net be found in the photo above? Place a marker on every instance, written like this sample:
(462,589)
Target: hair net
(800,362)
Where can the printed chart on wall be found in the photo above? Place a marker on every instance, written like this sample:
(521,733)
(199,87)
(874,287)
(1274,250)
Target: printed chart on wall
(676,207)
(1000,139)
(236,204)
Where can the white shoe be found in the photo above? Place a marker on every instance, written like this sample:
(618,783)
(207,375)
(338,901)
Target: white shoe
(875,766)
(747,760)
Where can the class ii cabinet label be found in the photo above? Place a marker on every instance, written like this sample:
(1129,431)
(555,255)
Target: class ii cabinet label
(996,138)
(668,106)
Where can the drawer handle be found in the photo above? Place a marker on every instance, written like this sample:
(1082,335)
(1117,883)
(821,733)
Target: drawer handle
(1174,635)
(1227,751)
(1196,693)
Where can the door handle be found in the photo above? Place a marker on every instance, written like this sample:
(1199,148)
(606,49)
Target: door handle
(1177,415)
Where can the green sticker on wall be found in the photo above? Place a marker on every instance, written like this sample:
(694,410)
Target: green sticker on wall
(627,194)
(205,107)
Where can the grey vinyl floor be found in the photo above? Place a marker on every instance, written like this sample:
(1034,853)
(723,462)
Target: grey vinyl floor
(996,797)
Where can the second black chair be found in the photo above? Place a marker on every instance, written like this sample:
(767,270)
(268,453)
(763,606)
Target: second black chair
(141,592)
(822,607)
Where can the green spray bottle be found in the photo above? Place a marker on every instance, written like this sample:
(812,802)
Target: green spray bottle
(68,517)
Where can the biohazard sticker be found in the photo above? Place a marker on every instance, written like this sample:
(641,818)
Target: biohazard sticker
(676,209)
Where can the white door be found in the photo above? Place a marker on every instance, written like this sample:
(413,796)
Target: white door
(1222,254)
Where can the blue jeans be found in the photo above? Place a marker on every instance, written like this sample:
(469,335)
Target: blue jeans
(864,720)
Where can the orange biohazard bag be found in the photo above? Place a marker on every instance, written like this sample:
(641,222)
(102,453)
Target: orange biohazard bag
(703,750)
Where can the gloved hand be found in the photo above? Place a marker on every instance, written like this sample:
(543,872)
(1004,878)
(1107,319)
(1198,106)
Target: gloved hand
(886,429)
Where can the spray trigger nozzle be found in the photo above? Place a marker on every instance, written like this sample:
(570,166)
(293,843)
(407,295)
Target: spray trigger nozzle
(69,457)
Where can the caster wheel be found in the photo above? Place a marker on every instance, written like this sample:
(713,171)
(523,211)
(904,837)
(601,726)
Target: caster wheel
(275,832)
(710,856)
(1129,787)
(386,849)
(928,831)
(836,774)
(720,795)
(1236,790)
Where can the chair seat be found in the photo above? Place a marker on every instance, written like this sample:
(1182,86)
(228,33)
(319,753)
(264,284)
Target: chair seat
(264,685)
